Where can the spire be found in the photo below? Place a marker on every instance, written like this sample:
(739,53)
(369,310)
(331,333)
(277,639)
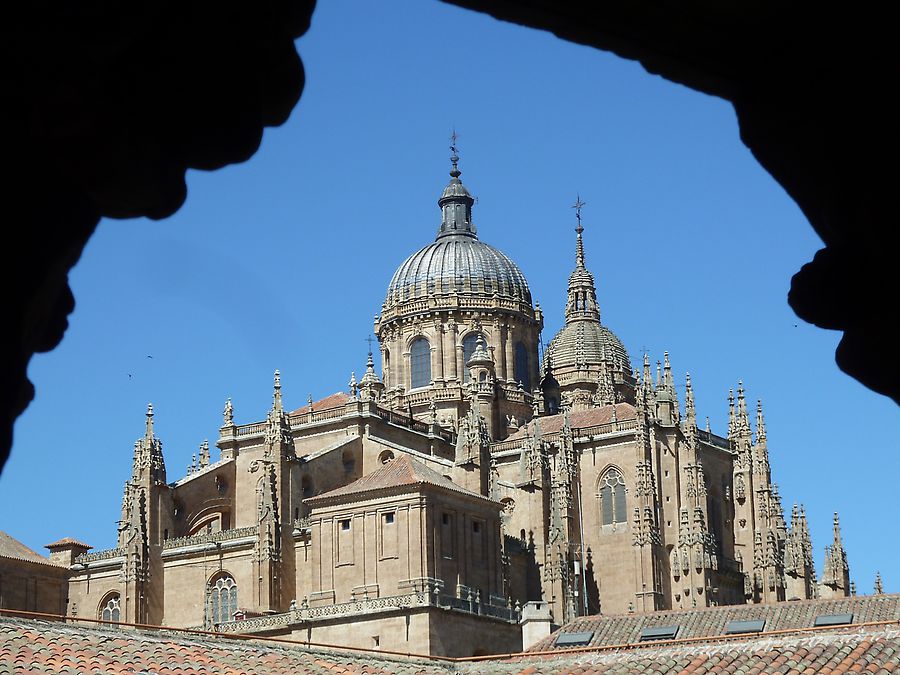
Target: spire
(456,202)
(743,419)
(760,423)
(582,301)
(579,244)
(690,412)
(837,532)
(276,395)
(732,423)
(148,434)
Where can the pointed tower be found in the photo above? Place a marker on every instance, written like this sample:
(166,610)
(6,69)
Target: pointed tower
(667,408)
(274,507)
(371,388)
(800,574)
(745,516)
(147,516)
(835,581)
(649,554)
(588,359)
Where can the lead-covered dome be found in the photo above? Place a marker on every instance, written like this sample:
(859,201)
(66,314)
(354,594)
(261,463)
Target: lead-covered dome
(457,262)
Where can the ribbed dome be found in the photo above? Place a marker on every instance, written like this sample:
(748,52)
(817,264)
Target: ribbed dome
(459,263)
(587,343)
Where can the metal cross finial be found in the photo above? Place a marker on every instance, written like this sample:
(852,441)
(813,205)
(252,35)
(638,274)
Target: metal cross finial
(454,151)
(370,339)
(577,206)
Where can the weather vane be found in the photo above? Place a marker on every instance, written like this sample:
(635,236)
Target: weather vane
(577,206)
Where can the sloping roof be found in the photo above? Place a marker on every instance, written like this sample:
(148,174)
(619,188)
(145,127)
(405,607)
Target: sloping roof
(872,650)
(579,419)
(398,472)
(42,647)
(13,548)
(334,400)
(711,621)
(68,541)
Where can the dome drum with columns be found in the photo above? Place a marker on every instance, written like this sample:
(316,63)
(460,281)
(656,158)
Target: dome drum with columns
(440,301)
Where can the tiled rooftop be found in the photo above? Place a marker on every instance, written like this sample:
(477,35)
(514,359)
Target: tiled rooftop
(13,548)
(867,650)
(712,621)
(28,646)
(578,419)
(401,471)
(331,401)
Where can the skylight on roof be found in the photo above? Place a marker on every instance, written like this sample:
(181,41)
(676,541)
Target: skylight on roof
(659,633)
(833,619)
(751,626)
(574,639)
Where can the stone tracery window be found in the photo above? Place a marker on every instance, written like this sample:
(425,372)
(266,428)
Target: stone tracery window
(223,599)
(110,611)
(420,363)
(612,497)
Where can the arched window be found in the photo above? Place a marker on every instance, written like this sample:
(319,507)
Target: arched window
(223,599)
(469,343)
(109,610)
(521,366)
(420,363)
(612,498)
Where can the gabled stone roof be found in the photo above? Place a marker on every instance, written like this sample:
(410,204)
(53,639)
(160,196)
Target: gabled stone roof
(579,419)
(13,548)
(334,400)
(711,621)
(403,471)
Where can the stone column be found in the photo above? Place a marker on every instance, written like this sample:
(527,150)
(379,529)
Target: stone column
(502,338)
(451,337)
(510,355)
(439,339)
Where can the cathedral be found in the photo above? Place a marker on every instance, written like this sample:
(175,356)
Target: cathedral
(476,492)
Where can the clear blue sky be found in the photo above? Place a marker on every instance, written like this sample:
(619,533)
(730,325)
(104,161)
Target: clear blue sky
(282,262)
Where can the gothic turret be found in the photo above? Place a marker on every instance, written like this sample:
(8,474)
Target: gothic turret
(835,581)
(585,354)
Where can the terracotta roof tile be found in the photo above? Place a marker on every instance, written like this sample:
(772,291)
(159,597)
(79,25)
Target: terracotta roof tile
(41,647)
(13,548)
(579,419)
(710,621)
(401,471)
(68,541)
(332,401)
